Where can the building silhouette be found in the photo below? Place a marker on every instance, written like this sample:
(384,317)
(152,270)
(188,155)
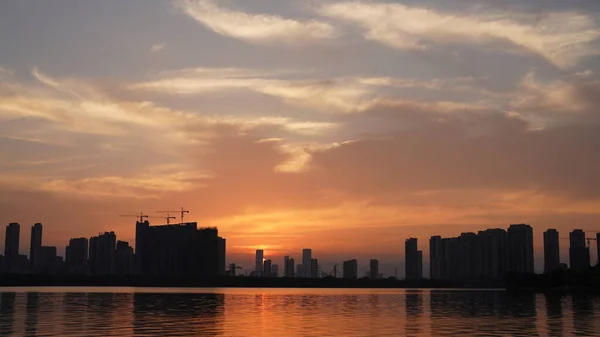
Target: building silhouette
(435,257)
(598,248)
(11,247)
(520,248)
(413,263)
(35,246)
(48,261)
(306,267)
(76,256)
(551,250)
(374,269)
(259,262)
(351,269)
(221,255)
(274,270)
(314,268)
(288,266)
(124,258)
(579,254)
(494,259)
(178,250)
(267,272)
(102,254)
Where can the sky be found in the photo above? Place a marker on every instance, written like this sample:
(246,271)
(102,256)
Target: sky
(341,126)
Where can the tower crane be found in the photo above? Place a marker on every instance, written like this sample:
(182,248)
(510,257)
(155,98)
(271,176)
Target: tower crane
(232,268)
(168,218)
(182,211)
(141,216)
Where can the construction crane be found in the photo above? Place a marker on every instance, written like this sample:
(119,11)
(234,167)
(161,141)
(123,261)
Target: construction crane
(141,216)
(182,211)
(232,268)
(168,218)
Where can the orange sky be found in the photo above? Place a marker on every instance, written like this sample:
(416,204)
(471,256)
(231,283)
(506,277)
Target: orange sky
(346,133)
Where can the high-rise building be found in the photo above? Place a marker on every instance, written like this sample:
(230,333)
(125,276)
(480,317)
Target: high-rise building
(47,259)
(351,269)
(124,258)
(142,230)
(267,272)
(411,257)
(222,255)
(259,262)
(11,247)
(435,257)
(275,270)
(314,268)
(374,269)
(419,264)
(470,251)
(520,249)
(76,255)
(493,245)
(579,254)
(35,245)
(598,248)
(178,250)
(551,250)
(102,254)
(288,266)
(306,263)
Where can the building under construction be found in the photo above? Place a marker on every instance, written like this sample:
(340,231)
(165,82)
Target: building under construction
(179,250)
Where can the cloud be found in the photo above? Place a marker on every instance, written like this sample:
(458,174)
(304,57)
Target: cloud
(343,94)
(255,28)
(157,47)
(414,28)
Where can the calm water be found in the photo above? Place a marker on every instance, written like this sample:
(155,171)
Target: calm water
(291,312)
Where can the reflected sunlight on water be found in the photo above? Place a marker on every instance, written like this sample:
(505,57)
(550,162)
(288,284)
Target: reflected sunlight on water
(292,312)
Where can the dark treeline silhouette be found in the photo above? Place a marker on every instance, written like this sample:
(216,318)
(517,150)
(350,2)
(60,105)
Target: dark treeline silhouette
(282,282)
(563,279)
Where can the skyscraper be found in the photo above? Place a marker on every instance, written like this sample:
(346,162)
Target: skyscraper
(551,250)
(579,254)
(77,255)
(35,246)
(267,272)
(102,254)
(493,251)
(314,268)
(11,247)
(288,266)
(411,254)
(374,269)
(306,262)
(274,270)
(520,248)
(351,269)
(142,230)
(124,259)
(222,255)
(258,262)
(598,248)
(179,250)
(435,257)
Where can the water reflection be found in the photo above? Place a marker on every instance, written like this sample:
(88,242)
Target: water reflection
(199,312)
(295,312)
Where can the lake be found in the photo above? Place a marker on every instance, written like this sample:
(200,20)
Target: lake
(292,312)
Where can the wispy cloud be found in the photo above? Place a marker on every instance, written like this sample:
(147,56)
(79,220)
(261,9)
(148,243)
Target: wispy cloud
(405,27)
(256,28)
(343,94)
(157,47)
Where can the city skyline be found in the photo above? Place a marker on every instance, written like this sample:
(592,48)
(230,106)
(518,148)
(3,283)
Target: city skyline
(335,123)
(514,248)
